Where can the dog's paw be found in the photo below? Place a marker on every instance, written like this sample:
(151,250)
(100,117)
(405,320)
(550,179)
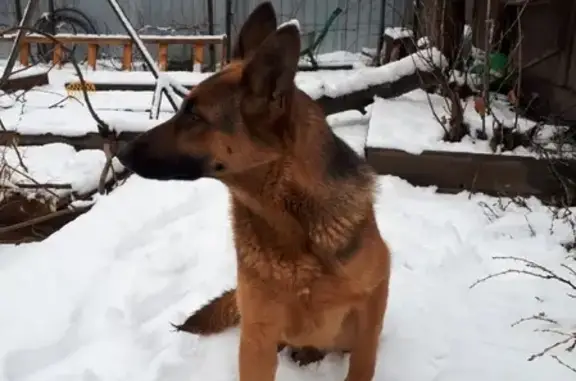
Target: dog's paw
(306,355)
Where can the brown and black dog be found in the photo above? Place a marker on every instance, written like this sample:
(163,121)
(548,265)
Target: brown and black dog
(313,271)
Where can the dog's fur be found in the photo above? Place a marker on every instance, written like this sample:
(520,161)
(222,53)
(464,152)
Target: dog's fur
(313,271)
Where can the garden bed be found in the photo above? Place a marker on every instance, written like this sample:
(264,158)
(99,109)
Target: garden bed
(405,139)
(43,188)
(453,172)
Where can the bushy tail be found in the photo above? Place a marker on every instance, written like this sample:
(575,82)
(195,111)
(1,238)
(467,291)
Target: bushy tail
(216,316)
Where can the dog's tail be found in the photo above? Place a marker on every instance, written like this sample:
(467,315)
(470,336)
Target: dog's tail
(216,316)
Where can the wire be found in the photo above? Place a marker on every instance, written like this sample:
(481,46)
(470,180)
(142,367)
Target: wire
(62,17)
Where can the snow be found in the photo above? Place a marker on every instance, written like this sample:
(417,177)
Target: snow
(94,301)
(24,72)
(45,111)
(407,123)
(294,22)
(55,163)
(360,79)
(398,32)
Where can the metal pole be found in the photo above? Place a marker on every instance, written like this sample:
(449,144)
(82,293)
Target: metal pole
(211,51)
(141,47)
(51,9)
(416,20)
(24,21)
(18,11)
(381,30)
(228,30)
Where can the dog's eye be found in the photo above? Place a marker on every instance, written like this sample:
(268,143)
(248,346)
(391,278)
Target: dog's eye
(194,117)
(191,112)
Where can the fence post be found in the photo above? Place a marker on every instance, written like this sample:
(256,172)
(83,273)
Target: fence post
(211,50)
(228,30)
(381,29)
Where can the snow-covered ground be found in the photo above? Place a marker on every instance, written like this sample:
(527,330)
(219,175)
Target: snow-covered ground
(93,302)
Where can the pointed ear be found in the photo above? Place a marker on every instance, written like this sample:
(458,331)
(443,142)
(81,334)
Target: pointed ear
(270,73)
(259,25)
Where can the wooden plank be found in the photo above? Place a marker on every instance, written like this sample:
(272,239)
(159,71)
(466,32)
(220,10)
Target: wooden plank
(92,54)
(57,55)
(198,55)
(102,39)
(162,57)
(360,99)
(24,54)
(136,86)
(88,141)
(354,101)
(25,82)
(496,175)
(127,57)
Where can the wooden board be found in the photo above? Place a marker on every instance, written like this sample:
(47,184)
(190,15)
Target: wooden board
(453,172)
(24,82)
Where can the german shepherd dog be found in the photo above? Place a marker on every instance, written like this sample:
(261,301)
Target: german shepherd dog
(312,269)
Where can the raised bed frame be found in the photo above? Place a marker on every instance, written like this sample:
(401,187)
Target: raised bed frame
(95,41)
(492,174)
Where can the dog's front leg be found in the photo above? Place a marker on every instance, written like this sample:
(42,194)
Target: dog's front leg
(258,351)
(368,328)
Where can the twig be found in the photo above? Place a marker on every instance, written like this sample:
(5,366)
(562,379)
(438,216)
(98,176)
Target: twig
(563,363)
(541,317)
(28,177)
(551,347)
(15,147)
(548,274)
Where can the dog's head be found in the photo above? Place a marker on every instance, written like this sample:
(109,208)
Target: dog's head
(234,120)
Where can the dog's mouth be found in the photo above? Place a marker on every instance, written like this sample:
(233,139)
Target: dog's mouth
(138,159)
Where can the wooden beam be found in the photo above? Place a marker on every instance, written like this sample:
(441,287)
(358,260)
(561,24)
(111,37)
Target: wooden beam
(102,39)
(496,175)
(24,82)
(92,55)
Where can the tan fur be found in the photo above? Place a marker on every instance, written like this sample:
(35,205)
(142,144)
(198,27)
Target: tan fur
(313,270)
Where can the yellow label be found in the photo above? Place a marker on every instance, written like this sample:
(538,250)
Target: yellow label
(76,87)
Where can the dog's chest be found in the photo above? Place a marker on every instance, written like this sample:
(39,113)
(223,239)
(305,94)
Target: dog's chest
(312,325)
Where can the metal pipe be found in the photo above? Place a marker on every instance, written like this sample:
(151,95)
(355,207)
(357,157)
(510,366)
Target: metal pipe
(51,18)
(381,30)
(24,21)
(141,47)
(211,50)
(18,11)
(228,30)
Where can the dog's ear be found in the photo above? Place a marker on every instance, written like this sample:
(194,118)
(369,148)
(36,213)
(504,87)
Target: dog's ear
(269,74)
(259,25)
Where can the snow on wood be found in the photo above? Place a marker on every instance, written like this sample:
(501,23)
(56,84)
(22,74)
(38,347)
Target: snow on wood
(426,60)
(294,22)
(398,33)
(407,123)
(55,163)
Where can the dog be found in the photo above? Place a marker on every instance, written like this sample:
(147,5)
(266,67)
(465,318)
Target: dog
(312,268)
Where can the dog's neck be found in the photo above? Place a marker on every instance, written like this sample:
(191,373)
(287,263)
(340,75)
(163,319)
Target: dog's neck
(298,203)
